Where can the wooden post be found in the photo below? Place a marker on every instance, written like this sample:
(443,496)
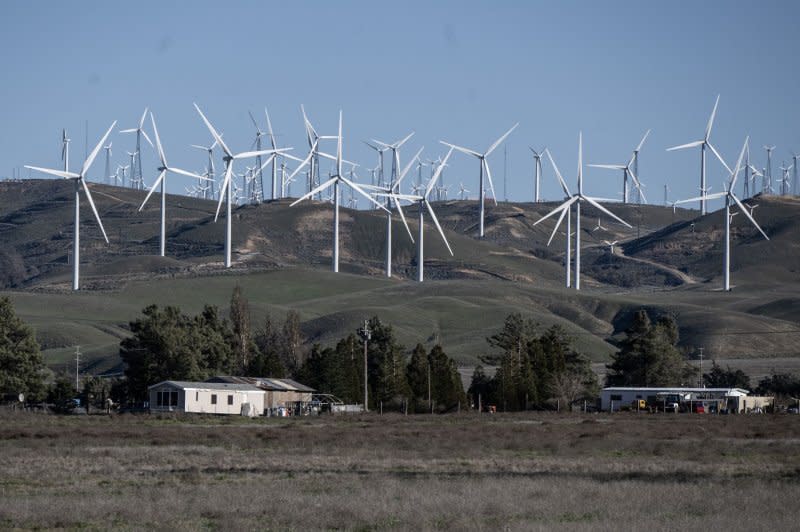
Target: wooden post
(480,409)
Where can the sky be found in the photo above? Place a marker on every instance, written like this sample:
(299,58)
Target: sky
(459,71)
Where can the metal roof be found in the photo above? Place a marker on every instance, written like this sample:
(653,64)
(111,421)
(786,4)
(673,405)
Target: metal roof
(187,385)
(675,389)
(264,383)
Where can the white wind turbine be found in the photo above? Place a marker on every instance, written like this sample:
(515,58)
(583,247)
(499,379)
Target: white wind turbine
(210,169)
(108,175)
(462,191)
(611,245)
(65,149)
(136,170)
(388,190)
(334,181)
(484,167)
(565,210)
(423,204)
(703,143)
(162,181)
(795,184)
(628,169)
(225,190)
(80,182)
(768,172)
(395,149)
(730,197)
(537,161)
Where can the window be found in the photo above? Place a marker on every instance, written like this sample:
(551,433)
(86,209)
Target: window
(616,397)
(213,398)
(230,399)
(196,396)
(167,398)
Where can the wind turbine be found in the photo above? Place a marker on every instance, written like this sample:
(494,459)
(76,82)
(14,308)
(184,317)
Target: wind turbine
(611,245)
(210,170)
(162,181)
(423,204)
(65,149)
(108,163)
(462,191)
(484,167)
(537,161)
(395,149)
(132,165)
(703,144)
(730,197)
(768,173)
(628,169)
(137,169)
(565,210)
(80,182)
(334,181)
(795,183)
(225,190)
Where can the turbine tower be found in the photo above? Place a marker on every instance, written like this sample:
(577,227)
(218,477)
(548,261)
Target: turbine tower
(162,181)
(137,179)
(107,148)
(484,167)
(80,182)
(65,149)
(226,189)
(537,162)
(730,198)
(423,204)
(628,169)
(210,170)
(795,183)
(703,144)
(334,181)
(768,173)
(564,209)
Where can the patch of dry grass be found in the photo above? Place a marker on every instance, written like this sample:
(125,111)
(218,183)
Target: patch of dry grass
(526,471)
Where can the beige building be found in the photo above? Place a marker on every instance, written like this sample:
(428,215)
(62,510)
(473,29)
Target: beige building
(283,396)
(207,398)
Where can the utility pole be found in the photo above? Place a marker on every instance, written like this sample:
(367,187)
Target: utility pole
(77,367)
(701,366)
(366,335)
(429,385)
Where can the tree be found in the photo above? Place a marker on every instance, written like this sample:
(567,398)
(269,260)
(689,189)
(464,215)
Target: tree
(292,340)
(417,376)
(62,394)
(169,345)
(240,321)
(648,355)
(267,360)
(386,364)
(21,365)
(726,378)
(480,387)
(446,389)
(780,384)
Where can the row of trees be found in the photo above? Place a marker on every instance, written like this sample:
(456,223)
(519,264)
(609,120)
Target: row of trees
(535,369)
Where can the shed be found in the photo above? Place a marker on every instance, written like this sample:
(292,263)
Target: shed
(282,395)
(206,398)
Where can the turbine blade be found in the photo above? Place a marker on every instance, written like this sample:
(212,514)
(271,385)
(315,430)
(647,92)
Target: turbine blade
(400,143)
(214,134)
(462,150)
(558,209)
(150,142)
(715,195)
(223,189)
(485,164)
(94,209)
(158,142)
(439,227)
(437,173)
(248,154)
(639,147)
(500,140)
(711,119)
(749,217)
(684,146)
(609,166)
(713,149)
(57,173)
(141,120)
(603,209)
(96,150)
(558,174)
(187,174)
(408,167)
(360,191)
(311,194)
(564,212)
(739,163)
(405,222)
(153,188)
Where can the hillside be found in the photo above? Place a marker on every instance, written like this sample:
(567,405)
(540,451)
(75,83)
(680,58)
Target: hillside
(282,261)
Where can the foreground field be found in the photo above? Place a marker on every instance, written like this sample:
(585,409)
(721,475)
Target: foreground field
(531,471)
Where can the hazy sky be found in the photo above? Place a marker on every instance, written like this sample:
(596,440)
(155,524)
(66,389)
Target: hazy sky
(459,71)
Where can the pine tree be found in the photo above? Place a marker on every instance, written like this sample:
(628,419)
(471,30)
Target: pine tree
(417,375)
(240,321)
(21,366)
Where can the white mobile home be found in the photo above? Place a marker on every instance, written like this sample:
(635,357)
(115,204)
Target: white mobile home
(206,398)
(732,399)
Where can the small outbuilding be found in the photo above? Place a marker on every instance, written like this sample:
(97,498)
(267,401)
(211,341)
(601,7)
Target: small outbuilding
(283,396)
(733,400)
(207,398)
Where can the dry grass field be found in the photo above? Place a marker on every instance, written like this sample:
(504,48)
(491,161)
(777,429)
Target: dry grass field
(525,471)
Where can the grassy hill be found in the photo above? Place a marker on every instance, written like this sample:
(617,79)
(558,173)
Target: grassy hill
(669,262)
